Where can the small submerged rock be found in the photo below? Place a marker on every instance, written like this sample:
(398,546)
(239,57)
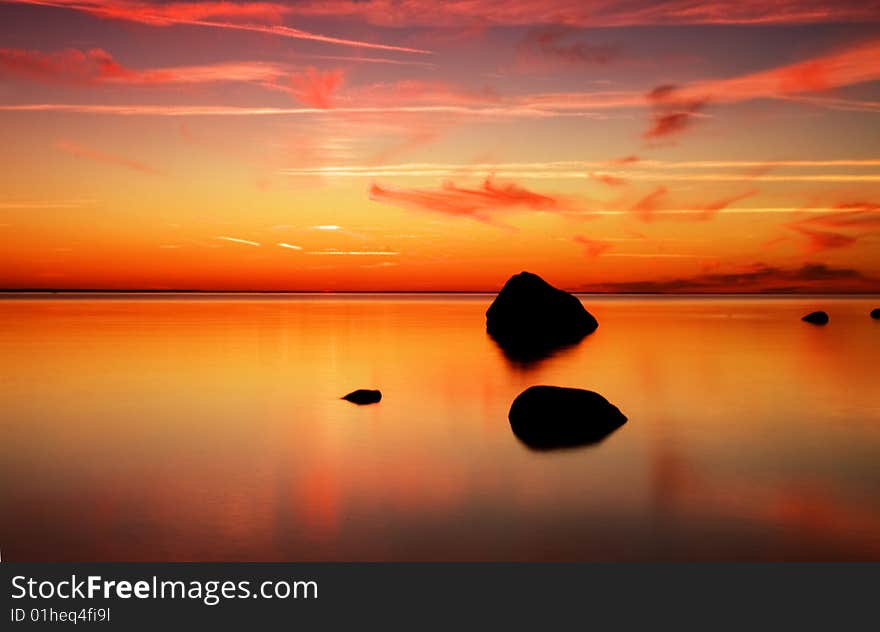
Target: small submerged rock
(816,318)
(875,313)
(547,417)
(530,319)
(363,396)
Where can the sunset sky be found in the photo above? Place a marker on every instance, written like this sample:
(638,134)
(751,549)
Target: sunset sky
(727,145)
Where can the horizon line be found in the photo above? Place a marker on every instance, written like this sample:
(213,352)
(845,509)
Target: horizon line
(8,291)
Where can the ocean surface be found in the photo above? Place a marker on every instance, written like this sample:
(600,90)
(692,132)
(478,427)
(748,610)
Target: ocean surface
(210,427)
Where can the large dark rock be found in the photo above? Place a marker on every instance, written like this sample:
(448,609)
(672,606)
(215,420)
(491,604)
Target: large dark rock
(547,417)
(875,313)
(816,318)
(363,396)
(530,319)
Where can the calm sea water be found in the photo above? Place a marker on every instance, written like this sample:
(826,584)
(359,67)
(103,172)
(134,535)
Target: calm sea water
(210,428)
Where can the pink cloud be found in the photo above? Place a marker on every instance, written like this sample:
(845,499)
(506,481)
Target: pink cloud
(316,88)
(97,66)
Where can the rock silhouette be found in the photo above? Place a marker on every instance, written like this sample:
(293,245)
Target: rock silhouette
(875,313)
(363,396)
(548,417)
(530,319)
(816,318)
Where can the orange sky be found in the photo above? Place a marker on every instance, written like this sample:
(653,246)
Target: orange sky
(608,146)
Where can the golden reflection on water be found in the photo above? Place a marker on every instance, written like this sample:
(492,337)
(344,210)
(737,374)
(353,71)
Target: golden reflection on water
(172,428)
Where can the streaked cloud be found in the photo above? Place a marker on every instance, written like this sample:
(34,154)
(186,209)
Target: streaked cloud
(479,203)
(593,247)
(355,253)
(236,240)
(83,151)
(588,13)
(289,246)
(256,17)
(97,66)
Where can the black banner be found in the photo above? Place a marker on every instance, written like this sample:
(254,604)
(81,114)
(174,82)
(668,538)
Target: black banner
(413,596)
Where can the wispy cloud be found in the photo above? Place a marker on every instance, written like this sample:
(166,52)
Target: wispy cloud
(593,247)
(645,170)
(355,253)
(256,17)
(673,109)
(670,113)
(580,13)
(480,203)
(236,240)
(42,204)
(647,206)
(822,231)
(97,66)
(316,88)
(289,246)
(819,240)
(83,151)
(554,46)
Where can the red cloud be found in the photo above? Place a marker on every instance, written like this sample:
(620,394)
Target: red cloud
(671,114)
(819,240)
(606,178)
(478,203)
(852,215)
(593,247)
(257,17)
(644,208)
(81,151)
(71,65)
(712,208)
(316,88)
(584,13)
(626,160)
(167,13)
(97,66)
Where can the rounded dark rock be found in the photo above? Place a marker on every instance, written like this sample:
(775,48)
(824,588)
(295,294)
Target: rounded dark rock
(547,417)
(530,318)
(875,313)
(816,318)
(363,396)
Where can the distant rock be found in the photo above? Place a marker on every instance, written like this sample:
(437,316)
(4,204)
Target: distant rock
(875,313)
(547,417)
(364,396)
(816,318)
(530,319)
